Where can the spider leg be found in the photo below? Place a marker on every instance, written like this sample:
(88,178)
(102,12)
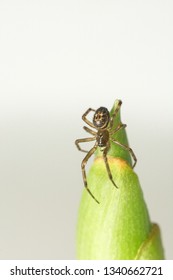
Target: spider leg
(115,113)
(83,140)
(84,162)
(85,119)
(128,149)
(107,166)
(120,126)
(89,130)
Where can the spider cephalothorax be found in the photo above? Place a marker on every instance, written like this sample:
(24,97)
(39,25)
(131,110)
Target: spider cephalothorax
(103,123)
(102,138)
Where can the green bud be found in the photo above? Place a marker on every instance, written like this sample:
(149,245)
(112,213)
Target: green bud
(119,227)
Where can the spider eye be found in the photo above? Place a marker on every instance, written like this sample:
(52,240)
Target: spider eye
(101,117)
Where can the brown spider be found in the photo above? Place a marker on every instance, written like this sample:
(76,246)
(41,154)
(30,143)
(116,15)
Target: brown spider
(103,123)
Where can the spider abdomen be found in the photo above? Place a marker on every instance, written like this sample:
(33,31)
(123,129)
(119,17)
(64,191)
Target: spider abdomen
(101,117)
(102,137)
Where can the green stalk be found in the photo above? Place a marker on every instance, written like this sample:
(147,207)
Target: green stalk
(119,227)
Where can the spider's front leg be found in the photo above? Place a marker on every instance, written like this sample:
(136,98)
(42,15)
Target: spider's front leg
(84,162)
(85,119)
(127,149)
(115,113)
(107,166)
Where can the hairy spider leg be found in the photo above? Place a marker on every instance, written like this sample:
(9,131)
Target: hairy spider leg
(115,113)
(89,130)
(128,149)
(120,126)
(84,162)
(107,166)
(85,119)
(83,140)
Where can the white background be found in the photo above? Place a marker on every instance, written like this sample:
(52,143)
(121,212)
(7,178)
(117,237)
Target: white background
(58,58)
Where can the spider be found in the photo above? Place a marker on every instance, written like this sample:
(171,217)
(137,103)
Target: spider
(103,123)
